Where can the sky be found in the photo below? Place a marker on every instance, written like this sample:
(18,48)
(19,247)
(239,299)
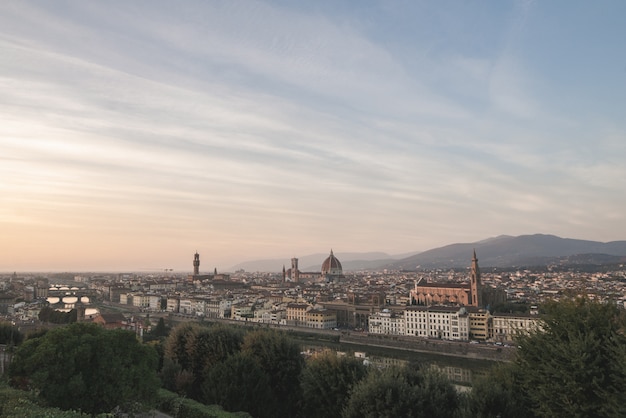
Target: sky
(135,133)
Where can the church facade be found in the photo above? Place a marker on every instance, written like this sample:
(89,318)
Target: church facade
(461,294)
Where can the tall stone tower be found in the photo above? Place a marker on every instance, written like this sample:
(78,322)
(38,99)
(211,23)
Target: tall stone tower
(196,264)
(476,286)
(295,273)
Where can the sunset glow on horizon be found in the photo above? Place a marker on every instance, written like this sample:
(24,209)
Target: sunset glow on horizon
(133,134)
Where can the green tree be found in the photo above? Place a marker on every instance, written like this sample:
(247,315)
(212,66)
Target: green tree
(498,394)
(48,314)
(575,365)
(86,367)
(279,357)
(402,392)
(195,349)
(326,381)
(10,334)
(161,330)
(239,384)
(179,344)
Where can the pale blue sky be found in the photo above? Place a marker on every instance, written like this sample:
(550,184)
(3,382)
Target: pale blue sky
(133,133)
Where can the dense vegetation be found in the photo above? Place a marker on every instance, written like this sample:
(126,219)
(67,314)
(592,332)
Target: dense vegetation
(88,368)
(574,366)
(51,315)
(10,334)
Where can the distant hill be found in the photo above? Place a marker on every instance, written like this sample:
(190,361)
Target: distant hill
(524,250)
(500,251)
(313,262)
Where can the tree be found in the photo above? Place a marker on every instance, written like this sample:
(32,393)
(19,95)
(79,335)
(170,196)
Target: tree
(86,367)
(402,392)
(179,344)
(279,357)
(239,384)
(160,330)
(48,314)
(498,394)
(326,381)
(575,364)
(196,349)
(10,334)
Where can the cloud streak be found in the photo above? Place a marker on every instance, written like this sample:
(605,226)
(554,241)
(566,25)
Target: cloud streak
(137,132)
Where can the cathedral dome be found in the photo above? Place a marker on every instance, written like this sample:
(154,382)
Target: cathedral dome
(331,265)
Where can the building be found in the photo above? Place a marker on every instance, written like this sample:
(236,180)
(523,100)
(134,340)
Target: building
(111,320)
(331,271)
(173,304)
(507,326)
(386,322)
(321,319)
(443,322)
(296,314)
(457,294)
(196,277)
(426,294)
(480,325)
(476,295)
(196,264)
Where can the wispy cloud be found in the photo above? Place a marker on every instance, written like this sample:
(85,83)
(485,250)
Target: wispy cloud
(252,128)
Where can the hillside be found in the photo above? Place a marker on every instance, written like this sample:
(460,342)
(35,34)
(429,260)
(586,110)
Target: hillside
(524,250)
(500,251)
(313,262)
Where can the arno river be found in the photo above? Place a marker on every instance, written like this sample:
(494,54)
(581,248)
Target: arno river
(461,371)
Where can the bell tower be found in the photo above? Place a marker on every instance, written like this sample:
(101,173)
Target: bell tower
(475,284)
(295,273)
(196,264)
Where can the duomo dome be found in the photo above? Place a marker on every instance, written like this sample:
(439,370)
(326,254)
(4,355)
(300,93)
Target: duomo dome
(331,265)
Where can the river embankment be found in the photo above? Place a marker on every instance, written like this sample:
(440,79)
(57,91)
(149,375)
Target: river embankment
(460,349)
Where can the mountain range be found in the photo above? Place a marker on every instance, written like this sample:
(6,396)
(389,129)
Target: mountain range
(501,251)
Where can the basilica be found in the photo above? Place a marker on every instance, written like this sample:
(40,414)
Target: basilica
(459,294)
(331,272)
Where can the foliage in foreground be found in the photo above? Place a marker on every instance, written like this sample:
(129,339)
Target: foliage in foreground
(326,381)
(20,404)
(576,365)
(86,367)
(10,334)
(409,391)
(178,407)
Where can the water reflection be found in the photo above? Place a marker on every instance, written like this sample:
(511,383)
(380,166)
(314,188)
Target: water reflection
(460,371)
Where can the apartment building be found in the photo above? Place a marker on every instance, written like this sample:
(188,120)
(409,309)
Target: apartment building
(296,314)
(445,322)
(507,326)
(386,322)
(321,319)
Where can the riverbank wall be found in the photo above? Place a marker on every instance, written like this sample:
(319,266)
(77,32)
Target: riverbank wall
(432,346)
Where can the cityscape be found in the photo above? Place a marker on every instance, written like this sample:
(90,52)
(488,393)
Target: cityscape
(455,305)
(264,208)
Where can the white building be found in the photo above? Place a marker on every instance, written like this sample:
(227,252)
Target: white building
(387,322)
(275,316)
(507,326)
(172,304)
(154,303)
(185,306)
(198,306)
(445,322)
(140,300)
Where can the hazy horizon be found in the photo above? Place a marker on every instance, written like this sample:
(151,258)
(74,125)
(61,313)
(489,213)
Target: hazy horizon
(133,134)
